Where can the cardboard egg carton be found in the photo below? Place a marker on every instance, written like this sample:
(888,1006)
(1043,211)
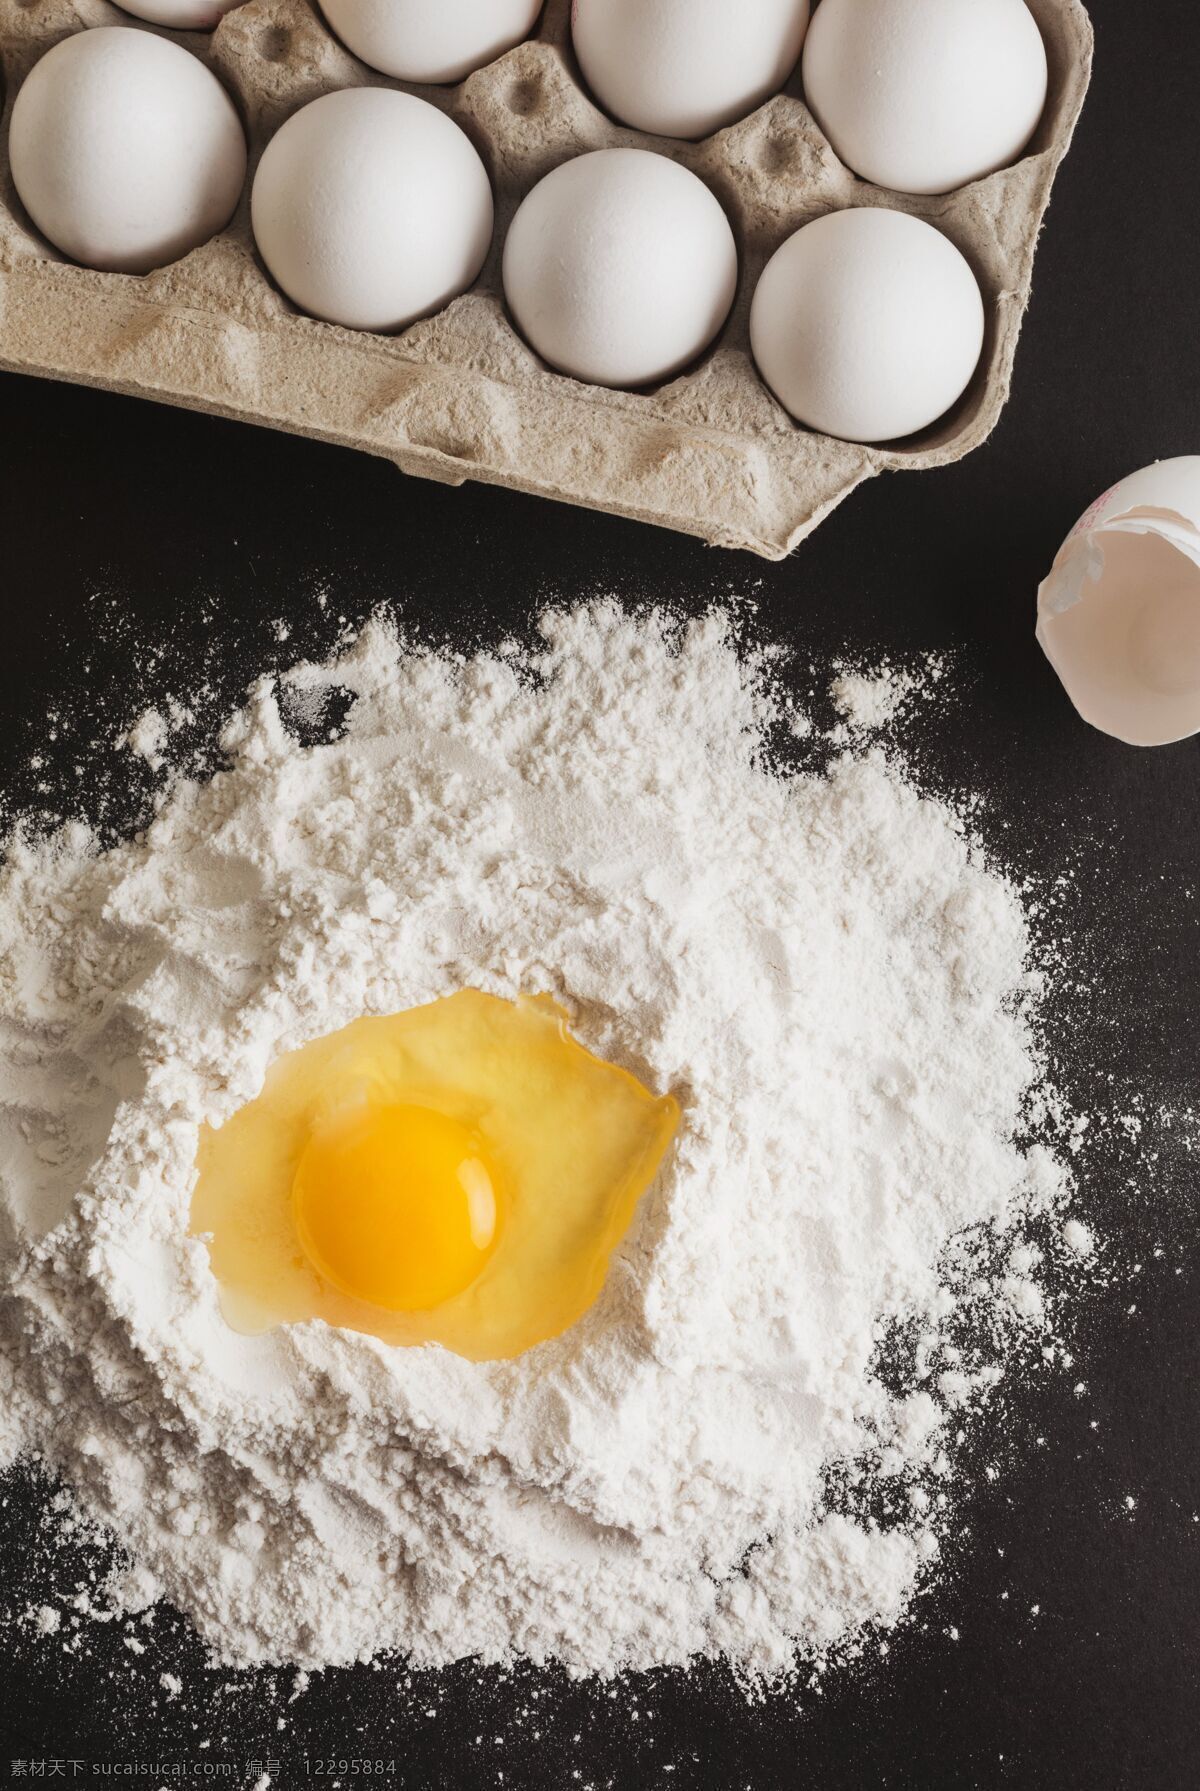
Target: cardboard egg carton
(459,395)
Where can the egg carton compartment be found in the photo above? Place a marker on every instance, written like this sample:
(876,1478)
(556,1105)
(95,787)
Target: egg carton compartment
(460,395)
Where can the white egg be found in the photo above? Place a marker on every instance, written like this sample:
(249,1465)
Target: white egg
(372,208)
(183,15)
(925,95)
(125,150)
(867,324)
(430,40)
(684,68)
(620,267)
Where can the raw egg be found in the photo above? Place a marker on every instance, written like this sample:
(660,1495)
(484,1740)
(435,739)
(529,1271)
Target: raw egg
(459,1173)
(867,324)
(427,40)
(371,208)
(620,267)
(683,68)
(126,151)
(181,15)
(925,95)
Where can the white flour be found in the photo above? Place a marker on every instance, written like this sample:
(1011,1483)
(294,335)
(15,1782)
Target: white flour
(820,967)
(869,701)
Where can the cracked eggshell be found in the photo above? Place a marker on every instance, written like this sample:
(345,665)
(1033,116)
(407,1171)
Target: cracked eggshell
(1119,613)
(436,41)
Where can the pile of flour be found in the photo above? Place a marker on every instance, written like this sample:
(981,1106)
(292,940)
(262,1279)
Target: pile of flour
(822,968)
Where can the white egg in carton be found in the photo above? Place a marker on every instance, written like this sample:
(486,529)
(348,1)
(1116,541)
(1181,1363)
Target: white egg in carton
(460,394)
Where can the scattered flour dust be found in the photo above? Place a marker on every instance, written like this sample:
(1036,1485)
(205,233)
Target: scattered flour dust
(718,1460)
(870,700)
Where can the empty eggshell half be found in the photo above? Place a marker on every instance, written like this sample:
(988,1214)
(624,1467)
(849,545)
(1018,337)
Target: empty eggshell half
(435,41)
(1119,613)
(181,15)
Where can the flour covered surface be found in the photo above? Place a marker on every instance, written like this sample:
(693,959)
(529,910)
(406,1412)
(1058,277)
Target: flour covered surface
(819,965)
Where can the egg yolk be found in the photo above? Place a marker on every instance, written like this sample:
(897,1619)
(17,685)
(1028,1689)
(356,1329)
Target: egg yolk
(395,1205)
(456,1174)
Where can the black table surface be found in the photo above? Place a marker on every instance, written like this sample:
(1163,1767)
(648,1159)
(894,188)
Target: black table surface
(145,548)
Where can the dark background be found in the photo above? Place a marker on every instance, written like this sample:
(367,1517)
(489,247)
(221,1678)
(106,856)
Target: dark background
(148,549)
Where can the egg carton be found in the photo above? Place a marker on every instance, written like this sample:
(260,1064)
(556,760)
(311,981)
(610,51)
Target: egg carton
(460,395)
